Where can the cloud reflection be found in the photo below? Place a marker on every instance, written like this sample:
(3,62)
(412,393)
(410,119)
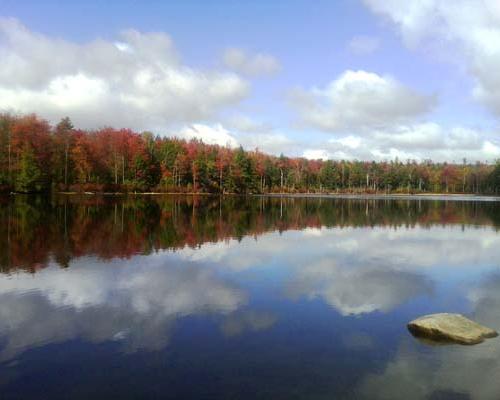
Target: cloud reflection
(136,303)
(253,321)
(353,291)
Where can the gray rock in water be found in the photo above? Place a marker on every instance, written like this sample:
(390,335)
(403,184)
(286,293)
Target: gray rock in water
(453,328)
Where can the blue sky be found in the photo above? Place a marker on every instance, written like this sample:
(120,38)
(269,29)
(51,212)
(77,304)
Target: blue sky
(364,79)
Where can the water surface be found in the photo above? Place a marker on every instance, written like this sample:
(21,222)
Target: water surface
(244,298)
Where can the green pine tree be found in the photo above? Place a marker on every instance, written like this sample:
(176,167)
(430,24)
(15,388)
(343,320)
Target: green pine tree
(29,176)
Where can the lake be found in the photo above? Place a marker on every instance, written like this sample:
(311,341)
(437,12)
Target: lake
(179,297)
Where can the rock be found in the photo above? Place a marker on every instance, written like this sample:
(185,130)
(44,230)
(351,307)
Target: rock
(453,328)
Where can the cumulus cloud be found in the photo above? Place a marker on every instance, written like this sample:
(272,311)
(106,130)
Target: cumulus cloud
(363,45)
(384,121)
(360,100)
(316,154)
(256,134)
(263,138)
(215,134)
(136,81)
(471,27)
(251,64)
(244,123)
(419,141)
(272,142)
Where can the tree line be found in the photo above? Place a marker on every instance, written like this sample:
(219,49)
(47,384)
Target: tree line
(38,157)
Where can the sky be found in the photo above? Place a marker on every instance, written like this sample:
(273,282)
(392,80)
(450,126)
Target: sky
(346,79)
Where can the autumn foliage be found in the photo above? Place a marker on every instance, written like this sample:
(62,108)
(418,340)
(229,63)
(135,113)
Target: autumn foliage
(35,157)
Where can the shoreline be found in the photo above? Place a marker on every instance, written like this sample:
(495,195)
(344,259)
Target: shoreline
(394,196)
(354,196)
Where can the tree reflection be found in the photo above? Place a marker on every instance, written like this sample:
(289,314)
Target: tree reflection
(36,230)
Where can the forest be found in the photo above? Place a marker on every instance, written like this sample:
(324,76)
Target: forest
(38,157)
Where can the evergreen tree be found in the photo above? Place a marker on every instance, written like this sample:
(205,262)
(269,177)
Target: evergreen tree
(5,150)
(243,176)
(30,175)
(62,147)
(494,178)
(328,175)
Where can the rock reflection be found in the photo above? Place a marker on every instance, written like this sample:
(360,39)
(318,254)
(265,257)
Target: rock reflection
(453,370)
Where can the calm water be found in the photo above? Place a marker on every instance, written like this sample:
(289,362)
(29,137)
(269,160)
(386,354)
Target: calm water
(262,298)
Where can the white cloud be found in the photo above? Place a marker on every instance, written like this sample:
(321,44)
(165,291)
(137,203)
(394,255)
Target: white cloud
(215,134)
(256,134)
(266,140)
(471,27)
(360,100)
(137,81)
(363,45)
(244,123)
(251,64)
(271,142)
(350,141)
(418,141)
(316,154)
(431,136)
